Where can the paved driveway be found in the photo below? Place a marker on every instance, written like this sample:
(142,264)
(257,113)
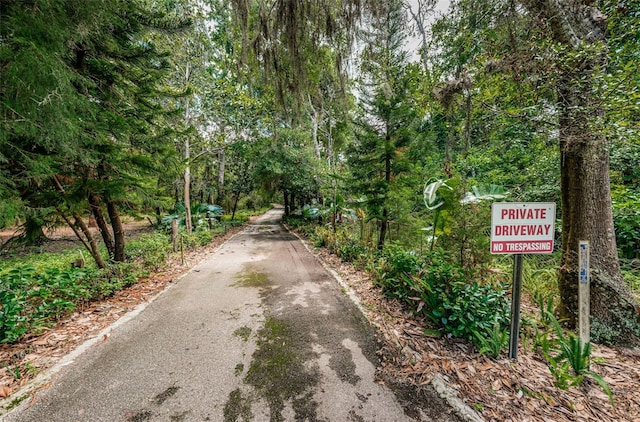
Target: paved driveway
(258,331)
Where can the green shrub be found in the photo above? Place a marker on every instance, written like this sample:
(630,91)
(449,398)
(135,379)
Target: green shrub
(13,321)
(202,215)
(32,298)
(117,277)
(437,287)
(474,308)
(568,358)
(430,287)
(324,237)
(626,217)
(351,249)
(151,249)
(491,341)
(197,238)
(394,265)
(37,290)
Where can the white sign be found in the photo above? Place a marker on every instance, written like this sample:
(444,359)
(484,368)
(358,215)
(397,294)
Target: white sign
(583,261)
(522,227)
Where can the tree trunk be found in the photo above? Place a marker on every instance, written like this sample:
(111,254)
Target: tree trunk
(90,242)
(187,156)
(187,186)
(118,232)
(387,178)
(468,120)
(329,151)
(383,228)
(286,202)
(235,205)
(584,175)
(587,215)
(222,159)
(93,246)
(315,120)
(96,211)
(420,16)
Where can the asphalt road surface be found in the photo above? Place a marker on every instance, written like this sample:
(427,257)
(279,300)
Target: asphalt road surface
(258,331)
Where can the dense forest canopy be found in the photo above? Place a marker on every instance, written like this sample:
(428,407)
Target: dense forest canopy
(342,110)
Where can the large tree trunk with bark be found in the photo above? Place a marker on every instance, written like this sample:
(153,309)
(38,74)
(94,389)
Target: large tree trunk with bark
(585,189)
(587,215)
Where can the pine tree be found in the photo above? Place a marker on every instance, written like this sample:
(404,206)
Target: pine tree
(383,129)
(90,142)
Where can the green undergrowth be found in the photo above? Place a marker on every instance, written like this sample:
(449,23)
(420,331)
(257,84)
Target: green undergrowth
(474,304)
(39,289)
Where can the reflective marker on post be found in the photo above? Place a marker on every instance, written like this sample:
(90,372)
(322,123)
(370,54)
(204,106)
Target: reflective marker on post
(583,291)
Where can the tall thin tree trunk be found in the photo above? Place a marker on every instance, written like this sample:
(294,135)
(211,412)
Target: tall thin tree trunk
(222,160)
(118,231)
(90,242)
(95,252)
(187,186)
(387,177)
(420,17)
(187,156)
(315,120)
(286,202)
(384,222)
(468,120)
(96,211)
(235,205)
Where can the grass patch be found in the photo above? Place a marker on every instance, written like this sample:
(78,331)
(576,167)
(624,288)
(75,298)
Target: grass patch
(278,372)
(237,408)
(243,333)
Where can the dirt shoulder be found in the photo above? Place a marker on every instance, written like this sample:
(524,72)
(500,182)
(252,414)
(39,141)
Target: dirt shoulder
(500,389)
